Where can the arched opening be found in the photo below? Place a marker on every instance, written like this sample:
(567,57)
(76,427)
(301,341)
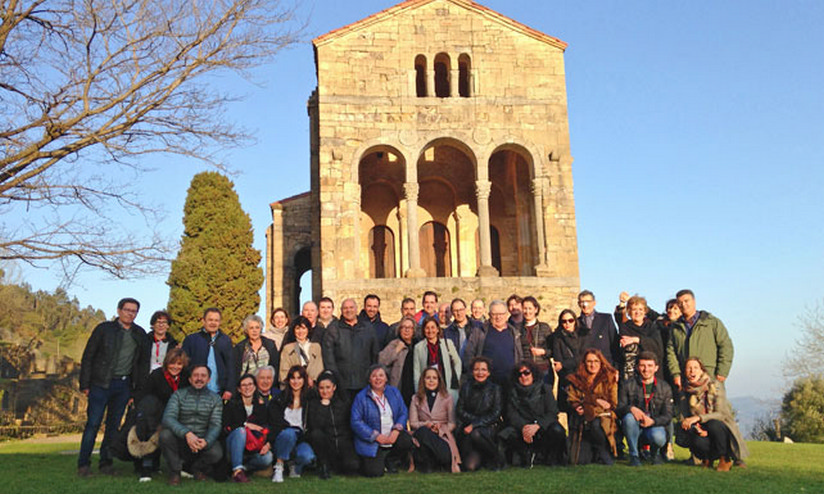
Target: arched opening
(434,246)
(381,252)
(495,240)
(303,278)
(420,75)
(464,71)
(442,70)
(512,212)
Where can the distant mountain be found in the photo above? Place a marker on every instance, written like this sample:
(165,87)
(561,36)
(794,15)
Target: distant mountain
(751,409)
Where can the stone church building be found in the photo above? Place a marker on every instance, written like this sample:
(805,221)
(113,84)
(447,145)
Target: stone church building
(440,160)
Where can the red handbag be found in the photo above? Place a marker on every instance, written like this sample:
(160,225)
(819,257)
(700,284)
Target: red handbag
(255,440)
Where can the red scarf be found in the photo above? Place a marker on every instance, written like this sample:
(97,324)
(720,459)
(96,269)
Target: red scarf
(432,351)
(173,381)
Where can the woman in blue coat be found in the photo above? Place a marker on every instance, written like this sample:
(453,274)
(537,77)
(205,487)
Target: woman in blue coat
(379,425)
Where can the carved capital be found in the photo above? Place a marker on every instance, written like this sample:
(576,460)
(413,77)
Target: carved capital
(410,191)
(482,189)
(537,187)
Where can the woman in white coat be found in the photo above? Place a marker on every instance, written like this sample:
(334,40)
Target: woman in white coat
(436,351)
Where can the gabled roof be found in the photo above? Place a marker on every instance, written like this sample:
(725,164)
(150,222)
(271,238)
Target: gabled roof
(414,4)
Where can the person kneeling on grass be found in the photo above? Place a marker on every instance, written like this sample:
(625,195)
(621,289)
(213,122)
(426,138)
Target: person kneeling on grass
(191,425)
(249,436)
(708,428)
(379,425)
(645,408)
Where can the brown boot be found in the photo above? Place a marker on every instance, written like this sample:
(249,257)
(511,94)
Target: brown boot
(706,463)
(724,464)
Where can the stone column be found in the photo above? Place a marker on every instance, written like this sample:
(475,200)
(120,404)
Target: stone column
(410,191)
(482,189)
(357,269)
(430,81)
(541,268)
(454,78)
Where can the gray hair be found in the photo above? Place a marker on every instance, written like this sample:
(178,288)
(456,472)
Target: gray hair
(265,368)
(496,302)
(250,319)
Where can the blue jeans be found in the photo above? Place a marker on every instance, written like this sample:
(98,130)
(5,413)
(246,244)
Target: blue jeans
(111,401)
(236,446)
(656,436)
(290,440)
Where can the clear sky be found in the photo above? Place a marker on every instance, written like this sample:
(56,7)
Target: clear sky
(697,130)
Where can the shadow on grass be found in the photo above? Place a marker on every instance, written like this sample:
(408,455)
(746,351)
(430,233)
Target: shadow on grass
(774,468)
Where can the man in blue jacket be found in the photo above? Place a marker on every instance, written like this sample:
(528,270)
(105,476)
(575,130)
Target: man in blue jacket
(212,348)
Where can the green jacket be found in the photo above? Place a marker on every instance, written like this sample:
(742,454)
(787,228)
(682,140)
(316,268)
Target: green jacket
(709,341)
(198,411)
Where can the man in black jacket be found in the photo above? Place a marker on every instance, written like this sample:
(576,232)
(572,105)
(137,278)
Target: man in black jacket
(645,407)
(597,328)
(350,347)
(114,365)
(212,348)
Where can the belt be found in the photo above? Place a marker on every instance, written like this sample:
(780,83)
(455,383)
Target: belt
(122,377)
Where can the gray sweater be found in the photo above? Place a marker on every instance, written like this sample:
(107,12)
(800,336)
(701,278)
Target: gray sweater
(198,411)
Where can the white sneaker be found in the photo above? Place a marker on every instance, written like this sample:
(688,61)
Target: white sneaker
(144,479)
(184,474)
(293,472)
(277,476)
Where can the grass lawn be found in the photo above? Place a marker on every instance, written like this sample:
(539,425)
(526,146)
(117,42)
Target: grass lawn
(774,467)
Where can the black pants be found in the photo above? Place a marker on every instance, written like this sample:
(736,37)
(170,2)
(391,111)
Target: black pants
(594,443)
(176,452)
(716,444)
(338,454)
(549,444)
(434,450)
(373,467)
(478,447)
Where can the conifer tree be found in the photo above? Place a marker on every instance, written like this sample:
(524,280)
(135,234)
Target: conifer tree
(216,265)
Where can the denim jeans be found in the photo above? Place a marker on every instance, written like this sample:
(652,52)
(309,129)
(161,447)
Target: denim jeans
(111,401)
(291,440)
(236,446)
(656,436)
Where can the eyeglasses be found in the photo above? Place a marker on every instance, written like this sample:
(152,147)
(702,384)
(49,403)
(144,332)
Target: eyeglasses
(569,320)
(525,372)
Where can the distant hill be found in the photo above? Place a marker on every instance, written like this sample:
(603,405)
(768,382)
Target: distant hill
(750,409)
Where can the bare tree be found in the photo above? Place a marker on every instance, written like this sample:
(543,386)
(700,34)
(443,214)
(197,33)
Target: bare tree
(87,87)
(805,360)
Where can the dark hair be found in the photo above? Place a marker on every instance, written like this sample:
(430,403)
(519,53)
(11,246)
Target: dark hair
(279,310)
(516,371)
(208,371)
(324,299)
(160,314)
(288,393)
(371,369)
(458,300)
(514,297)
(561,317)
(245,376)
(534,302)
(434,320)
(480,359)
(327,374)
(301,320)
(684,292)
(429,293)
(127,300)
(175,354)
(648,356)
(586,292)
(211,310)
(371,296)
(406,300)
(671,303)
(421,393)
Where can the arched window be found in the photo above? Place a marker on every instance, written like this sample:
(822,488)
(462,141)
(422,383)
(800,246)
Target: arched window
(464,82)
(381,252)
(442,69)
(434,248)
(420,75)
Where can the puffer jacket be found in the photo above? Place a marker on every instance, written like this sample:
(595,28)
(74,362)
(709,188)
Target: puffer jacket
(331,420)
(534,404)
(479,404)
(631,394)
(197,410)
(366,418)
(97,363)
(708,341)
(349,351)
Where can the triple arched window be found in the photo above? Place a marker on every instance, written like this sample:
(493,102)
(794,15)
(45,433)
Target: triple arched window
(442,84)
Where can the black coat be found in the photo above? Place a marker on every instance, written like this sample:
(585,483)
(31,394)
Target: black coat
(651,341)
(268,344)
(479,404)
(157,385)
(234,415)
(332,420)
(566,349)
(98,361)
(534,404)
(631,394)
(602,336)
(349,351)
(197,345)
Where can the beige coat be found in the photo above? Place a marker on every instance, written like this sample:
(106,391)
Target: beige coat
(289,357)
(442,413)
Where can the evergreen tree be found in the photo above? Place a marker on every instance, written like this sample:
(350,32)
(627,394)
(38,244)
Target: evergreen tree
(802,410)
(216,265)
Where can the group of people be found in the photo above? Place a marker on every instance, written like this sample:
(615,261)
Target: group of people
(447,387)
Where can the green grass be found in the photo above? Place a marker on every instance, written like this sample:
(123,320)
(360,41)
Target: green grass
(773,468)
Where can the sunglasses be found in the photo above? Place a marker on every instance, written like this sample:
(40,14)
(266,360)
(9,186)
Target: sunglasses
(525,372)
(570,320)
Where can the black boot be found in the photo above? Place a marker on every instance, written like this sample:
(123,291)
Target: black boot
(324,471)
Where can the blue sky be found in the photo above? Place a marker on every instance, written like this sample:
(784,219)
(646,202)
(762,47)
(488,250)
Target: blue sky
(697,130)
